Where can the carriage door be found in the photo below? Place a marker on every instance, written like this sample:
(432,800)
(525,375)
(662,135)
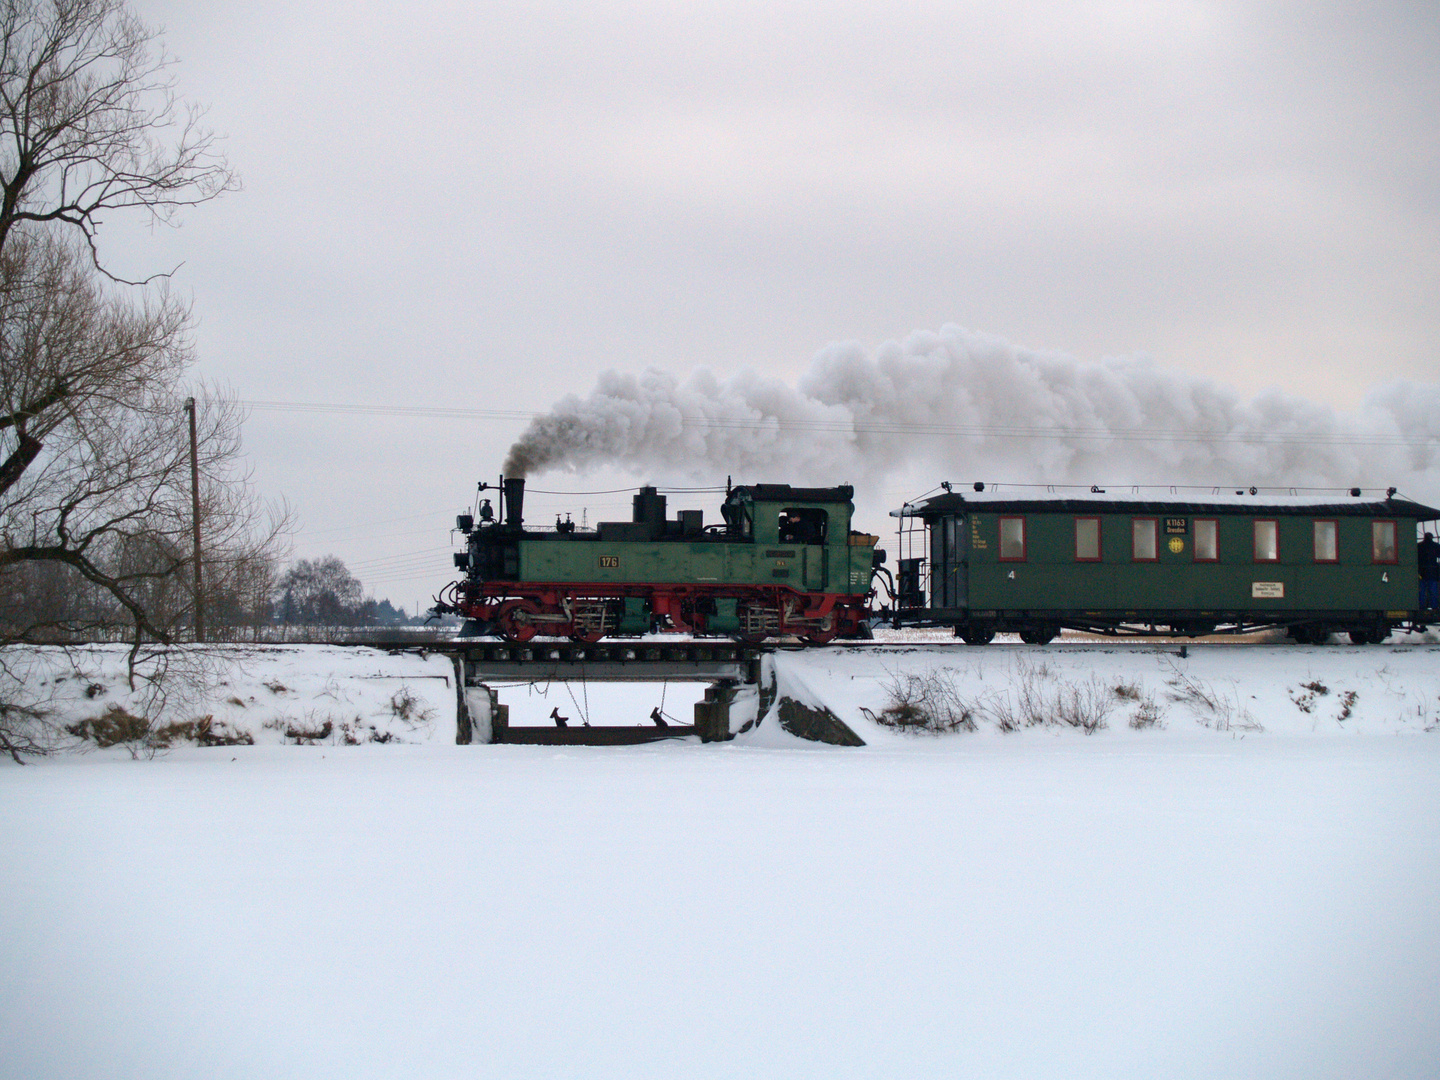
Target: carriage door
(948,584)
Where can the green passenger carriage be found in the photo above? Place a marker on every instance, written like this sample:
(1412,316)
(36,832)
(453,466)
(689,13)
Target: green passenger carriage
(986,562)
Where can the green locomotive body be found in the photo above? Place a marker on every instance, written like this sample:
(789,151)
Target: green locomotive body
(783,561)
(1036,564)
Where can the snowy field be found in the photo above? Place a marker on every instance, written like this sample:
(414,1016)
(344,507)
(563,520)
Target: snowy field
(1249,889)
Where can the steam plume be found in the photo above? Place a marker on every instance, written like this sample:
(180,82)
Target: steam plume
(962,405)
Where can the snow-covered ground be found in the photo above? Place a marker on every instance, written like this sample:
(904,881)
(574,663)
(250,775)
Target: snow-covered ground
(1233,690)
(1249,889)
(267,693)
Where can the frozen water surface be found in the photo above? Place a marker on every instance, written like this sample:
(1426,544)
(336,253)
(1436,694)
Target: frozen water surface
(1033,905)
(1174,902)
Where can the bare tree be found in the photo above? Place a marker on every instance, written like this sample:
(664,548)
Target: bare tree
(90,122)
(95,508)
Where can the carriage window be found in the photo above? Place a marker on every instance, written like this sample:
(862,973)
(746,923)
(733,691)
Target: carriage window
(1012,539)
(1267,541)
(803,525)
(1327,548)
(1207,540)
(1142,531)
(1383,548)
(1087,539)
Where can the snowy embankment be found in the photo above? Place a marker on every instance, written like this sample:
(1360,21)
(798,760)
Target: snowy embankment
(338,695)
(247,694)
(1228,689)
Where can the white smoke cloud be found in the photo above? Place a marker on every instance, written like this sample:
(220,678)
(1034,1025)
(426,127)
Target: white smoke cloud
(961,405)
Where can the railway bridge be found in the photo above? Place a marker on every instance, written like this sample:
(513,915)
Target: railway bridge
(481,666)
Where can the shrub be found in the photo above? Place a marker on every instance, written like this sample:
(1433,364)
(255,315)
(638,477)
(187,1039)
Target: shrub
(1147,715)
(114,726)
(1037,698)
(1212,708)
(1347,704)
(409,708)
(930,704)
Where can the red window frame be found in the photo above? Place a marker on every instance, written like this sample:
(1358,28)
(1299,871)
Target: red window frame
(1255,539)
(1099,555)
(1000,538)
(1316,537)
(1395,542)
(1154,539)
(1195,540)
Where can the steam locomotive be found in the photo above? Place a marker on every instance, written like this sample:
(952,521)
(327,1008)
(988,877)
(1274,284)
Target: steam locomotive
(784,561)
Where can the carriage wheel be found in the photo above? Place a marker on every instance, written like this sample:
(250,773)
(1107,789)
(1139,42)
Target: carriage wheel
(976,633)
(514,620)
(1370,635)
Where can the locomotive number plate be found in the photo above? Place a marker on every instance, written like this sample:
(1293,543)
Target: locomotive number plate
(609,562)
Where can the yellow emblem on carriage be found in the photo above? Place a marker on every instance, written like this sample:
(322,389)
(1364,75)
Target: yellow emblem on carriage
(1176,545)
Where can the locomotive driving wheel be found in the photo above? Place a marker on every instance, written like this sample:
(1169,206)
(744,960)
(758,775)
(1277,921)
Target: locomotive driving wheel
(822,632)
(515,620)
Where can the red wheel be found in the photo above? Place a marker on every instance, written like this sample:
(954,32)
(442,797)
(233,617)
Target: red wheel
(514,620)
(586,637)
(823,632)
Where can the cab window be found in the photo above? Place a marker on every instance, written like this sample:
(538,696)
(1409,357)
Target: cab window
(803,525)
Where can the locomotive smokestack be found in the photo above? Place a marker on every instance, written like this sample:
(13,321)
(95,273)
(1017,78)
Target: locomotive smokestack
(514,501)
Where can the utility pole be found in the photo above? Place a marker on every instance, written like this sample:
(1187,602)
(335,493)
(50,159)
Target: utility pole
(195,521)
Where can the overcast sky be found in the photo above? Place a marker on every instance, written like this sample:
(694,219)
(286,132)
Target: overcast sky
(486,206)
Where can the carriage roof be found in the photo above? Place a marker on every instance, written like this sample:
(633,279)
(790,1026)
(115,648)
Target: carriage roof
(1015,499)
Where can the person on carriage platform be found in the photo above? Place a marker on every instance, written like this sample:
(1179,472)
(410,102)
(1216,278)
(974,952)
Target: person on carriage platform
(1429,559)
